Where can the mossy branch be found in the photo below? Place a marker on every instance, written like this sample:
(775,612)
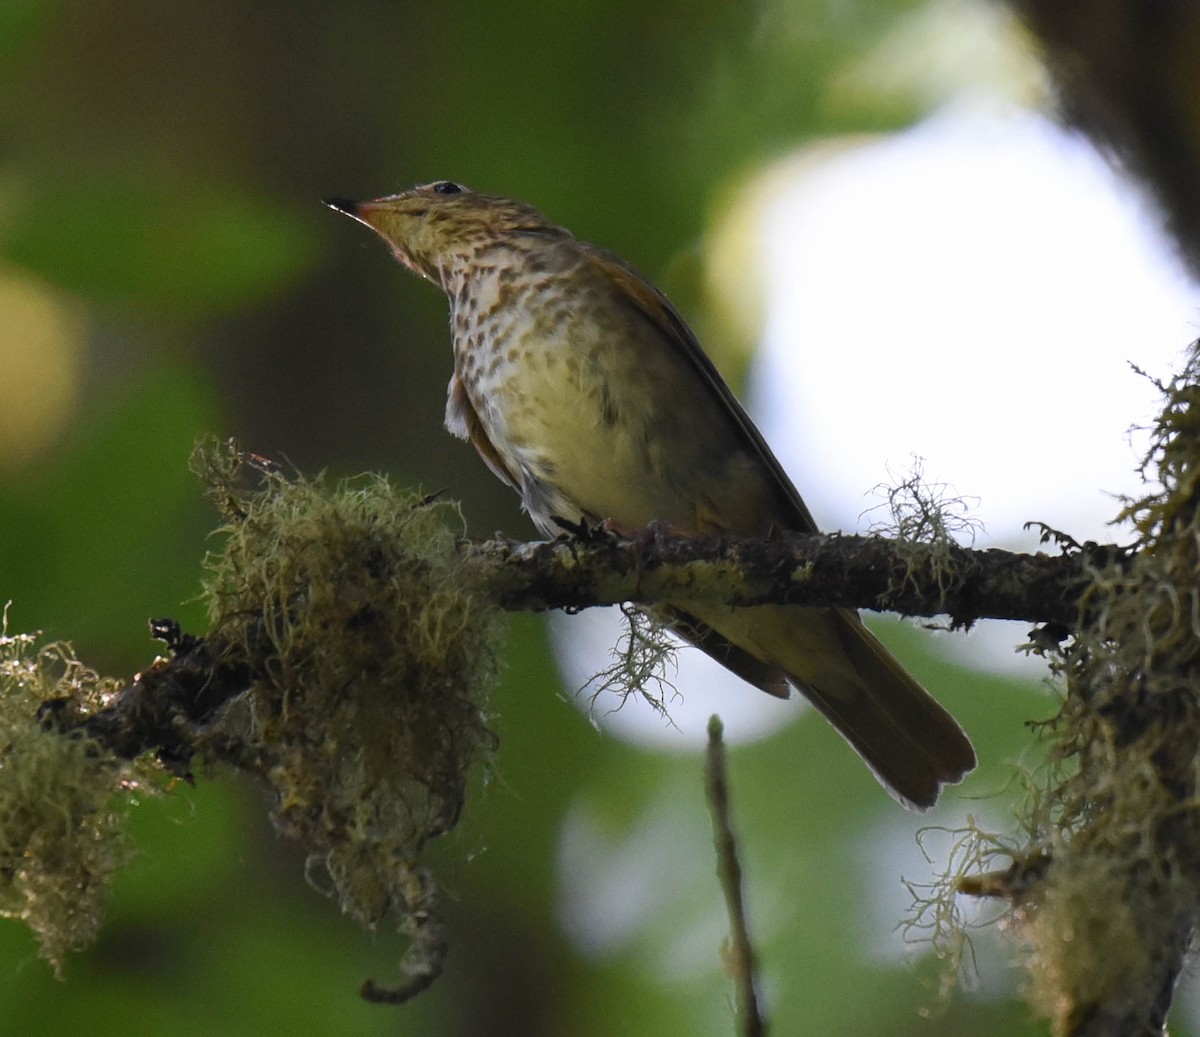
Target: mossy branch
(352,648)
(353,645)
(1105,887)
(869,572)
(169,707)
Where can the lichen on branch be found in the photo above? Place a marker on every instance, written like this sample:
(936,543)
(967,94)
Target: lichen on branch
(354,641)
(349,664)
(1105,887)
(63,800)
(374,651)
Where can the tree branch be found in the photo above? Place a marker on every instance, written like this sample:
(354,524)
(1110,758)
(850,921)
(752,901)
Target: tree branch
(359,615)
(914,579)
(168,706)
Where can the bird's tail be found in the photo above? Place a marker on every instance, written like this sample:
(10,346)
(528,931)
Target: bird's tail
(910,742)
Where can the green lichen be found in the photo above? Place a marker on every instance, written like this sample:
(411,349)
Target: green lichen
(377,647)
(931,520)
(1104,881)
(1123,887)
(642,659)
(369,648)
(936,917)
(63,799)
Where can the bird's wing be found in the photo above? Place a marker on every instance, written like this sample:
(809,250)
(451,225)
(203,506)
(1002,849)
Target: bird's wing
(656,308)
(463,422)
(765,676)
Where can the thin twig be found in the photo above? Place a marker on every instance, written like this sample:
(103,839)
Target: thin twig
(740,958)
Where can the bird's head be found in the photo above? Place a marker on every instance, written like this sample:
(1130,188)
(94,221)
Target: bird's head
(436,228)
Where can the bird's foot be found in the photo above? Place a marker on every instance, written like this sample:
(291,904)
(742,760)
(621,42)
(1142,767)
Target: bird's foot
(585,531)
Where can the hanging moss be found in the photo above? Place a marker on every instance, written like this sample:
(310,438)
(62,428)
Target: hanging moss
(377,647)
(1124,887)
(1104,883)
(360,649)
(63,799)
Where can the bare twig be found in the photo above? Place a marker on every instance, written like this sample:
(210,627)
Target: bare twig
(740,958)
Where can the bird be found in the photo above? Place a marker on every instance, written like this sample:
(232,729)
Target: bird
(584,390)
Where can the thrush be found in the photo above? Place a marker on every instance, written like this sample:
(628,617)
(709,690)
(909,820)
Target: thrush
(583,389)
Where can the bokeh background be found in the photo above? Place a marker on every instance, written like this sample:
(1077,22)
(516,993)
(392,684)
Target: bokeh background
(166,270)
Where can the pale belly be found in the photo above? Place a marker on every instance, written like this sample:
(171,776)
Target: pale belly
(616,429)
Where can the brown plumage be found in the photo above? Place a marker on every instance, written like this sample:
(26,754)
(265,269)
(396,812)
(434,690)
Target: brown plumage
(583,389)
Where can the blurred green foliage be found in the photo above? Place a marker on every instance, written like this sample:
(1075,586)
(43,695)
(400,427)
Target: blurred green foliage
(181,248)
(163,165)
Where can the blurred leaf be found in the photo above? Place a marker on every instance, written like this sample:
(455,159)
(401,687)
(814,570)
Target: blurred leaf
(179,248)
(20,23)
(114,533)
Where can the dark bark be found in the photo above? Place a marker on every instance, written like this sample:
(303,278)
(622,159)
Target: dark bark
(833,570)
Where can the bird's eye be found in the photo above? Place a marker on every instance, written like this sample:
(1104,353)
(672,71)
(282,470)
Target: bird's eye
(446,187)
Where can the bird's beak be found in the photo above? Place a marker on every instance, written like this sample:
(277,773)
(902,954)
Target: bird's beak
(347,207)
(380,215)
(366,213)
